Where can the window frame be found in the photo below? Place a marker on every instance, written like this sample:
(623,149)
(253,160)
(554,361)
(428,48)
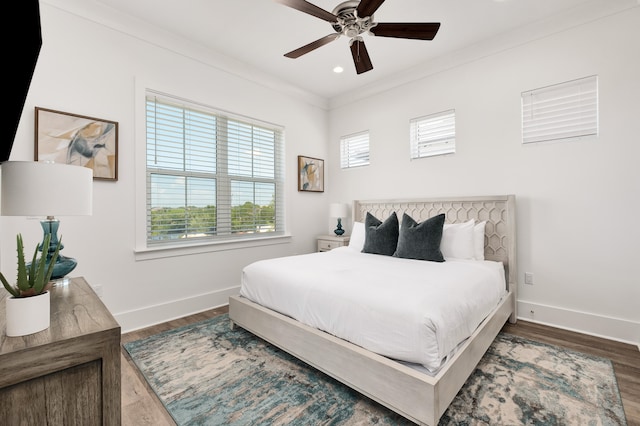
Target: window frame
(351,143)
(562,111)
(143,250)
(433,144)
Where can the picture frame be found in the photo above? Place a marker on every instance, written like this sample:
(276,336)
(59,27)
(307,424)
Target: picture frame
(67,138)
(310,174)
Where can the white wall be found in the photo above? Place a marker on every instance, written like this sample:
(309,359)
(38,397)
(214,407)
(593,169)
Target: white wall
(91,69)
(577,200)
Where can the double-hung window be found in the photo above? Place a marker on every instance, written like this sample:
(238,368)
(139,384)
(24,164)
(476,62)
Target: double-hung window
(210,175)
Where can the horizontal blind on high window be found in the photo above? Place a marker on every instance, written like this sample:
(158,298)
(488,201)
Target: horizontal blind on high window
(561,111)
(354,150)
(433,134)
(211,175)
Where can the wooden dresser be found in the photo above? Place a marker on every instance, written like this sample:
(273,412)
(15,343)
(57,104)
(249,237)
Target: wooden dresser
(68,374)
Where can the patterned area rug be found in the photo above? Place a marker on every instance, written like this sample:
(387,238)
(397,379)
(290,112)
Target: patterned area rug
(208,374)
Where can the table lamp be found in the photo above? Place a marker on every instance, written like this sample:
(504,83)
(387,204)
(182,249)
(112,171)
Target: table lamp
(47,189)
(338,210)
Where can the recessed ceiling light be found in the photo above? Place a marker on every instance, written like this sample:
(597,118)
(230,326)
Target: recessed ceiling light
(338,69)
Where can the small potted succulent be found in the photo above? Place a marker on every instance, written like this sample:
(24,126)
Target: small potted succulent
(28,307)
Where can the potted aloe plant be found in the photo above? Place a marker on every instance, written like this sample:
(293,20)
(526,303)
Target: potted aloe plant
(28,307)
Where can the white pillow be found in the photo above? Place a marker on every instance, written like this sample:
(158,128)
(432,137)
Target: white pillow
(356,242)
(478,240)
(458,240)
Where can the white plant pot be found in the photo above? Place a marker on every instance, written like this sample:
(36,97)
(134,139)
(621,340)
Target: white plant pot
(27,315)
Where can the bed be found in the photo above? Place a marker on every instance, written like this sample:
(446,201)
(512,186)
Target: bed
(419,394)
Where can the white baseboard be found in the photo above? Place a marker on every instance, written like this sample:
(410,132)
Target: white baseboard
(582,322)
(156,314)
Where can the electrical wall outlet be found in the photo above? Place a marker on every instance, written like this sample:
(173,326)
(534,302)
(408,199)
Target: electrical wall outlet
(528,278)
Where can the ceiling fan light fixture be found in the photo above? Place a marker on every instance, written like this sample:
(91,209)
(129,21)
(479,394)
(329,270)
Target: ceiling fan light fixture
(355,17)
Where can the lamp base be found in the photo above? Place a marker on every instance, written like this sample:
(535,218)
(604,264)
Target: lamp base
(63,264)
(339,231)
(62,267)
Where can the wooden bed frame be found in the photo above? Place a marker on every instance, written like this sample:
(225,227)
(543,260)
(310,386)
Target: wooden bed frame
(417,396)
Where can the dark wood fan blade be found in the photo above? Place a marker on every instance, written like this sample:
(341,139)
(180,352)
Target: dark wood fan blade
(368,7)
(360,57)
(311,9)
(312,46)
(420,31)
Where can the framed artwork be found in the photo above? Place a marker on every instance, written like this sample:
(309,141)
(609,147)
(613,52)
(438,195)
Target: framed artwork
(68,138)
(310,174)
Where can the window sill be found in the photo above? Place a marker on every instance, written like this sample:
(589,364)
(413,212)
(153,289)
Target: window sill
(150,253)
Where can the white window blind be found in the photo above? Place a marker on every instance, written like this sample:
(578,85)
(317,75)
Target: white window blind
(561,111)
(354,150)
(210,175)
(433,134)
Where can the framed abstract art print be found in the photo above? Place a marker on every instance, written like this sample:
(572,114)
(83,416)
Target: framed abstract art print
(310,174)
(68,138)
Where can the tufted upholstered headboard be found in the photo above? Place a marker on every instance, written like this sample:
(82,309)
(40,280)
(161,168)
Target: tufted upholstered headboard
(498,211)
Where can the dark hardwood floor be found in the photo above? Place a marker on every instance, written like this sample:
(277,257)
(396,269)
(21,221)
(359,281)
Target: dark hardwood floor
(140,406)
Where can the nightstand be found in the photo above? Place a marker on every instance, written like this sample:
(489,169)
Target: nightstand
(329,242)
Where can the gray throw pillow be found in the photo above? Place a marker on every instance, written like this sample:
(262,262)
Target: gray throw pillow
(380,237)
(421,240)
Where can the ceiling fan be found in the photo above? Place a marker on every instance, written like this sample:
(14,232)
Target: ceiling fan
(353,18)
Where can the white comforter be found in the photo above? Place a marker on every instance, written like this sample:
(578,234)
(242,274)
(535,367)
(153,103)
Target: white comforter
(410,310)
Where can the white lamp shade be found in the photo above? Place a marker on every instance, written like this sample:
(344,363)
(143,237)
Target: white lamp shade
(32,188)
(338,210)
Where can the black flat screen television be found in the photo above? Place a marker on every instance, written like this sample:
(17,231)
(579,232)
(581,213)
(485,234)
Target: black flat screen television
(25,41)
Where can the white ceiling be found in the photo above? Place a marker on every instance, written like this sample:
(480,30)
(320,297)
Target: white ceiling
(259,32)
